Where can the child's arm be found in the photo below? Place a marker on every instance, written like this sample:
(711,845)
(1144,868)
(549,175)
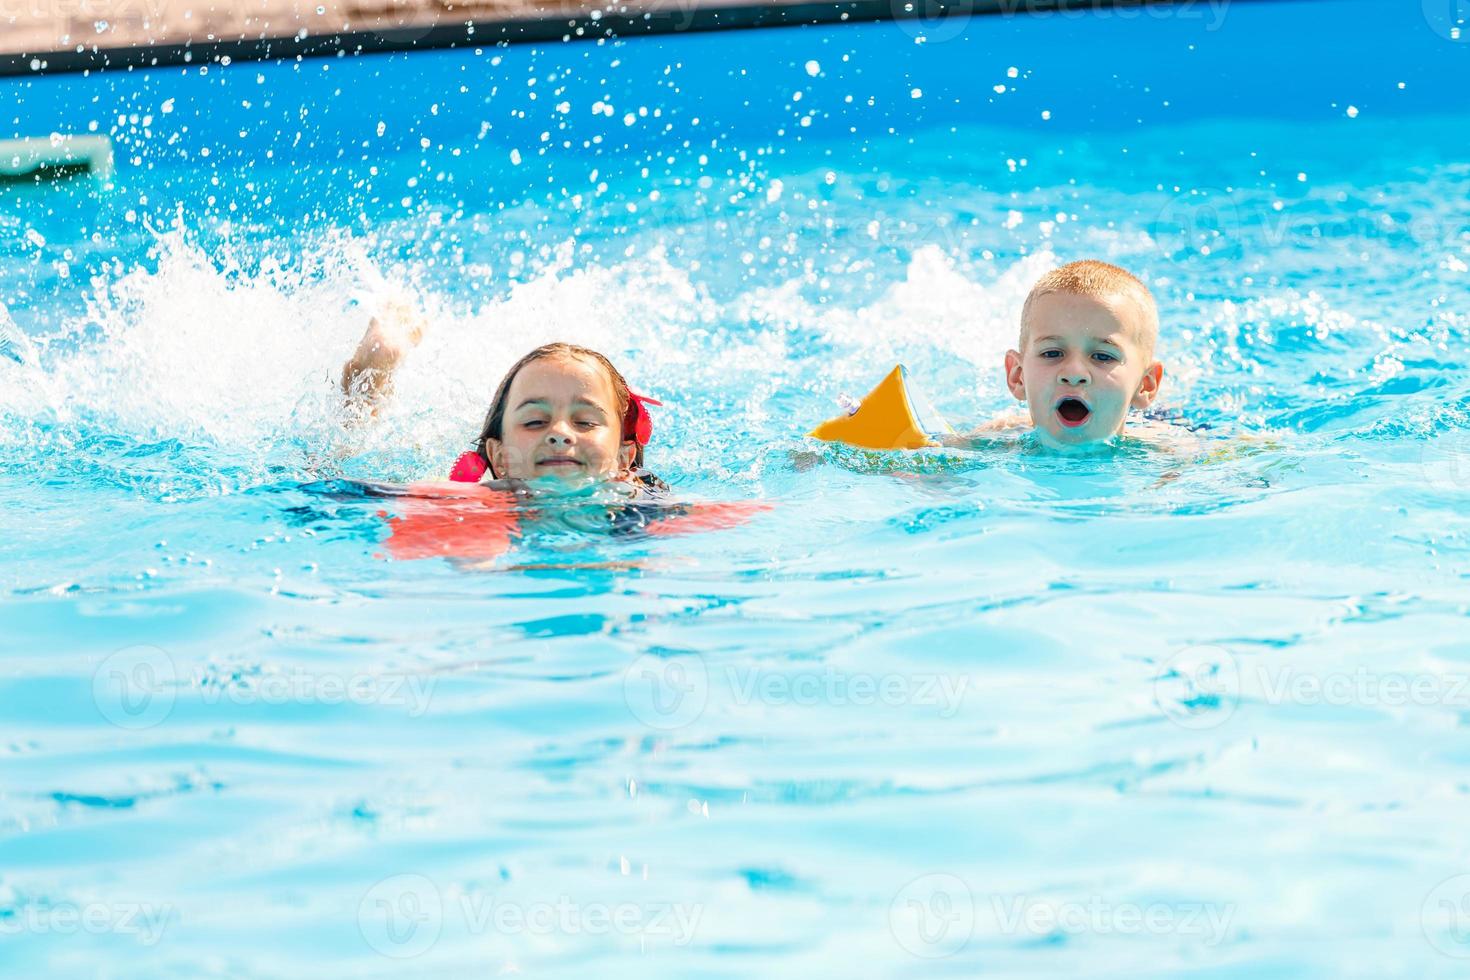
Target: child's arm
(986,432)
(367,377)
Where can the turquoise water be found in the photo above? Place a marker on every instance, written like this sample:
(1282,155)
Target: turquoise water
(972,713)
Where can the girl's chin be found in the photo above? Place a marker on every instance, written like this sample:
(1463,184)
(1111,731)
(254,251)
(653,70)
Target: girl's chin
(561,471)
(574,478)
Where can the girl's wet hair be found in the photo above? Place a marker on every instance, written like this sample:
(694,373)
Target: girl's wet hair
(494,427)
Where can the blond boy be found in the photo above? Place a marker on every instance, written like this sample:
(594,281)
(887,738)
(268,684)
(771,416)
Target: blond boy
(1085,357)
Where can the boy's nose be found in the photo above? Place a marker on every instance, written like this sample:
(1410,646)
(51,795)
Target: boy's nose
(1073,376)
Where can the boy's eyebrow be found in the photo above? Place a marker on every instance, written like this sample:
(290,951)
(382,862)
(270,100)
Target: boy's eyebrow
(1105,340)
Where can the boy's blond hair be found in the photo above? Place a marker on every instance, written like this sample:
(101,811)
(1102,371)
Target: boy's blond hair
(1100,280)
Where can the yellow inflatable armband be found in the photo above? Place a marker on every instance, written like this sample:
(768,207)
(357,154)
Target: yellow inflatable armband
(892,416)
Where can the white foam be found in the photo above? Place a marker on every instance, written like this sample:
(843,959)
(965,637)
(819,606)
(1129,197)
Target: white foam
(241,358)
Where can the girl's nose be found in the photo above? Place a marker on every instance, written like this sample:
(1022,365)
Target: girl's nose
(559,434)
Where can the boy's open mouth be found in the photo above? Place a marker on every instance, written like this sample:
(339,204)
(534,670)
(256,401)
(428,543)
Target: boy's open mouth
(1073,412)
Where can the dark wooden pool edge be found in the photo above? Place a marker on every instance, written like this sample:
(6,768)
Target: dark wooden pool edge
(663,17)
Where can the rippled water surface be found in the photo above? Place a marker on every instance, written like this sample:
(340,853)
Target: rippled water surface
(979,713)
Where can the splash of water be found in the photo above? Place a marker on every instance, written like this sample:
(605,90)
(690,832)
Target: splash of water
(226,360)
(14,345)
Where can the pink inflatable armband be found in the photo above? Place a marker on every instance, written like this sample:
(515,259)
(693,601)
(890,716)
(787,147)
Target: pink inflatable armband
(469,468)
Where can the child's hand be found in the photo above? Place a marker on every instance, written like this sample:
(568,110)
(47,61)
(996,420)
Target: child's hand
(985,433)
(396,329)
(1006,423)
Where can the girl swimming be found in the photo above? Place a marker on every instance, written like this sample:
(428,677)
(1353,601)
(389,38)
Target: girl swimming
(562,411)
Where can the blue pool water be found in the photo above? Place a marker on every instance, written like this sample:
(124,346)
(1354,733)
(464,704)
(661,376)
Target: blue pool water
(986,713)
